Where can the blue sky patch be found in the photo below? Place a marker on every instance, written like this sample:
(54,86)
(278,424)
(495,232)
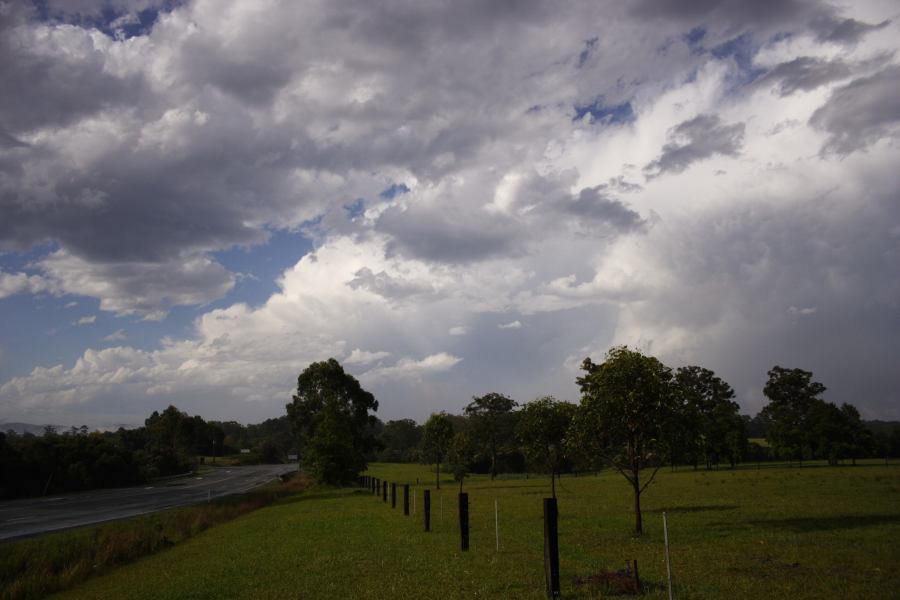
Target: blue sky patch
(260,266)
(139,24)
(598,111)
(589,46)
(394,190)
(693,38)
(742,50)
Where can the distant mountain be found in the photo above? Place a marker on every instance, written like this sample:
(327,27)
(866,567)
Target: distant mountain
(21,428)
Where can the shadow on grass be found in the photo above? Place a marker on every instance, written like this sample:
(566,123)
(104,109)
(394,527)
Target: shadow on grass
(697,508)
(806,524)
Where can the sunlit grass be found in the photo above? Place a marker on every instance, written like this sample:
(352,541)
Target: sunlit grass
(768,533)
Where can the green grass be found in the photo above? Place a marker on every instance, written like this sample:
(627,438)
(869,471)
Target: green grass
(32,568)
(809,533)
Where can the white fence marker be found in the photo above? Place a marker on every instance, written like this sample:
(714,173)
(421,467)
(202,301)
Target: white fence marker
(668,567)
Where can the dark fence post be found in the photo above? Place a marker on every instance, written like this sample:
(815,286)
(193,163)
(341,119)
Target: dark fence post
(464,521)
(427,509)
(393,495)
(384,491)
(551,547)
(405,499)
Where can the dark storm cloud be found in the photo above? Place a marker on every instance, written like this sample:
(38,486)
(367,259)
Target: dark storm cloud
(732,12)
(447,235)
(140,204)
(805,73)
(861,112)
(694,140)
(592,204)
(845,31)
(58,85)
(138,287)
(389,287)
(739,273)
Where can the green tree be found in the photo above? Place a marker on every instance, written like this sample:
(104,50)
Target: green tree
(712,416)
(859,439)
(330,416)
(460,455)
(436,437)
(628,405)
(492,425)
(792,396)
(542,429)
(400,441)
(169,442)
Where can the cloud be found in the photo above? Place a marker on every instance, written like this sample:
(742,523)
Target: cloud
(141,288)
(384,285)
(845,31)
(510,325)
(806,73)
(141,162)
(117,336)
(363,357)
(17,283)
(803,312)
(85,320)
(409,368)
(694,140)
(860,113)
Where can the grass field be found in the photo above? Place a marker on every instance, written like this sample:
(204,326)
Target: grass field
(809,533)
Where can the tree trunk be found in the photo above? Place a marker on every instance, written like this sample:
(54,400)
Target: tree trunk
(493,465)
(634,450)
(553,483)
(638,524)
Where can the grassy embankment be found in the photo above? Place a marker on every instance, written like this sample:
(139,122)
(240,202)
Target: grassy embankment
(809,533)
(32,568)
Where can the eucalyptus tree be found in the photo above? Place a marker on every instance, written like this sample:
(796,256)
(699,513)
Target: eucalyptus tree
(330,415)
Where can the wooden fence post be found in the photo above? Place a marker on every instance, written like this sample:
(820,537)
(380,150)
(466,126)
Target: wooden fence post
(551,547)
(464,521)
(405,499)
(394,495)
(384,492)
(426,506)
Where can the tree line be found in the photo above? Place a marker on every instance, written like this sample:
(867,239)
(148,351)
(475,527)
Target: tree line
(169,443)
(635,416)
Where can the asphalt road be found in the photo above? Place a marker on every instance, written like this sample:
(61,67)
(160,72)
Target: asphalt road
(22,518)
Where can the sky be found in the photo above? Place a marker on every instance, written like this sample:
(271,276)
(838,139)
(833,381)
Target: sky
(198,199)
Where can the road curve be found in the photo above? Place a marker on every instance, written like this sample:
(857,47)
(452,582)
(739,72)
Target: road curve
(34,516)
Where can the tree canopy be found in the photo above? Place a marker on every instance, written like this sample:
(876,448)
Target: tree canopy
(803,425)
(628,404)
(543,429)
(493,424)
(330,415)
(436,438)
(711,426)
